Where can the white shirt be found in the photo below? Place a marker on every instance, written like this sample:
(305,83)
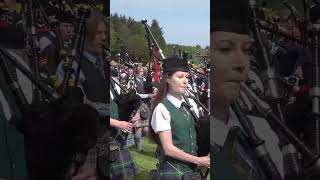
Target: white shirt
(142,96)
(44,41)
(219,132)
(60,71)
(60,74)
(117,87)
(161,118)
(123,75)
(24,82)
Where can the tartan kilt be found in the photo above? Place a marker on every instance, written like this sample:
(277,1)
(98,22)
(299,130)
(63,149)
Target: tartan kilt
(124,166)
(103,151)
(173,171)
(130,140)
(142,123)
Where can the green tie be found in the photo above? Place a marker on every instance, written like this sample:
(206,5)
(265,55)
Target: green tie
(99,65)
(230,163)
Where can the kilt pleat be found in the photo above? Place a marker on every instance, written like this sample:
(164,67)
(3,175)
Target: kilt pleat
(124,166)
(173,171)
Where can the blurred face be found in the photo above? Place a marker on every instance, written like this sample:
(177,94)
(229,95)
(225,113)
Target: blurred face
(130,71)
(155,91)
(100,38)
(294,30)
(140,72)
(290,26)
(230,56)
(66,31)
(178,83)
(8,4)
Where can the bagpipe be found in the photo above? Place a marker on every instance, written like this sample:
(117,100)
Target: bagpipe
(55,128)
(42,18)
(154,50)
(128,105)
(131,82)
(203,121)
(285,99)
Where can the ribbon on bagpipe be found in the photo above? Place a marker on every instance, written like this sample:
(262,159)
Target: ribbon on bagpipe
(156,66)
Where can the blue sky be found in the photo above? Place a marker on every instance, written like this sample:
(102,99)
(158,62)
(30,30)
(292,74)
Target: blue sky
(184,22)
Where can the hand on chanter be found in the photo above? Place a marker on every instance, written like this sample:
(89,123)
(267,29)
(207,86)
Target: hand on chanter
(204,161)
(151,95)
(126,127)
(135,118)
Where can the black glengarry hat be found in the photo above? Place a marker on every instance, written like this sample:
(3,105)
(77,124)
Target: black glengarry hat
(66,17)
(173,64)
(230,16)
(129,65)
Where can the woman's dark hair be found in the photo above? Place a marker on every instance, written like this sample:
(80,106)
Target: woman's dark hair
(162,92)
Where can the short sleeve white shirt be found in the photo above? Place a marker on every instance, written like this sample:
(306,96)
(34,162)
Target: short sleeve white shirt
(161,118)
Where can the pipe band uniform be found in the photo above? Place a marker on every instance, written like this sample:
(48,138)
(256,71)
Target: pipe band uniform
(121,105)
(173,125)
(143,111)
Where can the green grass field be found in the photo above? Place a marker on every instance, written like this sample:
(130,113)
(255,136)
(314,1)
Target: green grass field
(146,160)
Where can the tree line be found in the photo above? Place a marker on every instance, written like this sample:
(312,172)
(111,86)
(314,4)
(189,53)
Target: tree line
(130,36)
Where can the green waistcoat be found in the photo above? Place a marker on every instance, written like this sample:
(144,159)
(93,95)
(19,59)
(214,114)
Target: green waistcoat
(183,131)
(12,154)
(227,163)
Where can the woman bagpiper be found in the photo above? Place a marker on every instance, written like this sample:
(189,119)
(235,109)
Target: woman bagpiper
(233,156)
(173,125)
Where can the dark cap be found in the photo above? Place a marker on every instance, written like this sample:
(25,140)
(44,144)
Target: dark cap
(66,17)
(175,64)
(51,11)
(12,34)
(129,65)
(230,16)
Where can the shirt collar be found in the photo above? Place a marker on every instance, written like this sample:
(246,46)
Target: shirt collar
(90,57)
(140,78)
(219,130)
(175,101)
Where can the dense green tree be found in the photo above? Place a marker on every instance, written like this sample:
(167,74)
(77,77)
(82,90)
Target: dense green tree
(158,33)
(129,36)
